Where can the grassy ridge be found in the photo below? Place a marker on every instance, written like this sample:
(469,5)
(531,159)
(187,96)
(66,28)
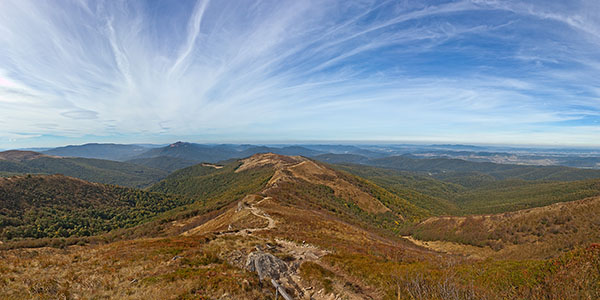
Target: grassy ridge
(372,265)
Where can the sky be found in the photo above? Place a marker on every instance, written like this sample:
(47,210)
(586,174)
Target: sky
(477,71)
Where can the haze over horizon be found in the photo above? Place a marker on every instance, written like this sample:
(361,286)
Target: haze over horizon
(472,72)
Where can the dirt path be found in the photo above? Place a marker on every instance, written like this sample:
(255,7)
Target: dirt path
(454,248)
(250,207)
(258,213)
(261,214)
(212,166)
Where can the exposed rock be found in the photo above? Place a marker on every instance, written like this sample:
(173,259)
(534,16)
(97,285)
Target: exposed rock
(266,265)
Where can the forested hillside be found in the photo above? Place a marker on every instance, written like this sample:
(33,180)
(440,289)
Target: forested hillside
(41,206)
(165,163)
(95,170)
(214,184)
(116,152)
(457,169)
(478,194)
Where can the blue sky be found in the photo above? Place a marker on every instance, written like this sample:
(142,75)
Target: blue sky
(499,72)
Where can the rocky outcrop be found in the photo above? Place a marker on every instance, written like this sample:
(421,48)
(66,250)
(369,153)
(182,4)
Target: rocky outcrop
(266,265)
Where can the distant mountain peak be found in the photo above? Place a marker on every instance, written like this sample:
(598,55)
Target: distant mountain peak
(178,144)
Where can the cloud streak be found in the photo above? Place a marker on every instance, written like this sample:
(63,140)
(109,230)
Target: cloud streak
(290,70)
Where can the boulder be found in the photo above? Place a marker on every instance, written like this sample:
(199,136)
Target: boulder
(266,265)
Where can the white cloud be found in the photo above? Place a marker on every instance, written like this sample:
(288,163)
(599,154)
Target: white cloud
(246,68)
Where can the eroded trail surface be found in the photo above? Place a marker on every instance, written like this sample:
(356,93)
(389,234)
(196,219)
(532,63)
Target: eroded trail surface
(261,214)
(268,256)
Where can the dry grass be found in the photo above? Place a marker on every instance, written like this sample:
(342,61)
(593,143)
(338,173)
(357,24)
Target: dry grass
(328,256)
(468,251)
(360,265)
(142,269)
(541,232)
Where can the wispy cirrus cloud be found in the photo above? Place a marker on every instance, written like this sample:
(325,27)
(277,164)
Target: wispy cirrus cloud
(495,71)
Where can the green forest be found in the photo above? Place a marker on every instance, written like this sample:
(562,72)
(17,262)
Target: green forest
(40,206)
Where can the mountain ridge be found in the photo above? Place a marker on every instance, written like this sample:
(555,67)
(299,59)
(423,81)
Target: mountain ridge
(108,151)
(103,171)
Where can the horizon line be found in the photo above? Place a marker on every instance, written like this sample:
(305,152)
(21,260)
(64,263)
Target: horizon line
(329,142)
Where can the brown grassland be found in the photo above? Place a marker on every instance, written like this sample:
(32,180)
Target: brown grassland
(340,236)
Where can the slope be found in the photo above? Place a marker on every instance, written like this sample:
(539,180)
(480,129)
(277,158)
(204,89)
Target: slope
(531,233)
(211,184)
(46,206)
(193,152)
(320,233)
(287,178)
(215,153)
(96,170)
(473,194)
(423,191)
(117,152)
(461,171)
(165,163)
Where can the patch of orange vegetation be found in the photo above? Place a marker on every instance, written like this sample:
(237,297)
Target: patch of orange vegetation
(268,159)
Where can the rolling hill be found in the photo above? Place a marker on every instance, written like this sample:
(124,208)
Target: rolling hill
(539,232)
(215,153)
(96,170)
(50,206)
(116,152)
(295,177)
(166,163)
(341,158)
(444,168)
(477,195)
(349,149)
(193,152)
(457,170)
(288,150)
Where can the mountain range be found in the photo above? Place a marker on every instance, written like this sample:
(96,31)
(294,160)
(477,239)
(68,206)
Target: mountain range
(570,157)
